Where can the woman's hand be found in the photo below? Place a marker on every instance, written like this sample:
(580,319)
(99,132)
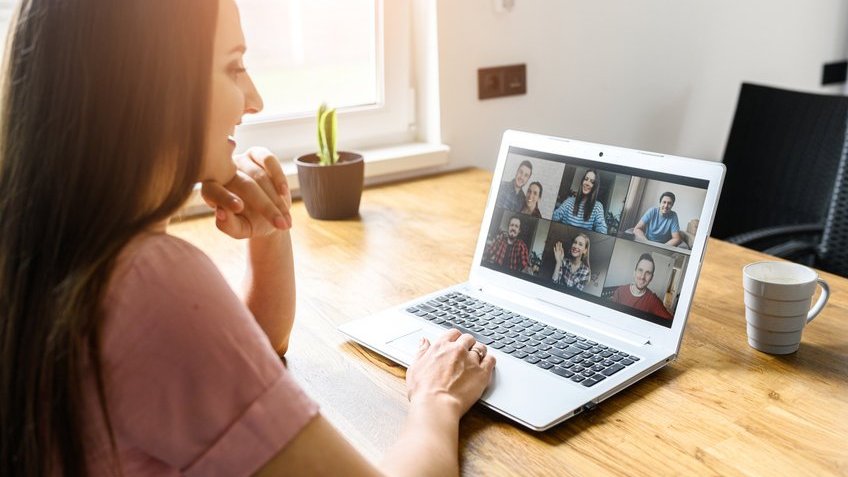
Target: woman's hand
(256,201)
(559,253)
(455,369)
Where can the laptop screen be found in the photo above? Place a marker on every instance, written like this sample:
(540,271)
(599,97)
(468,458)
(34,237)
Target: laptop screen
(609,234)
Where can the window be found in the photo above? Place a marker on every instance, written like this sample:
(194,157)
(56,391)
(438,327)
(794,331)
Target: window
(374,60)
(353,54)
(324,50)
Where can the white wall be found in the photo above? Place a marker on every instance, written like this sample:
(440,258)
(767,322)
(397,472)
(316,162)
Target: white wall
(658,75)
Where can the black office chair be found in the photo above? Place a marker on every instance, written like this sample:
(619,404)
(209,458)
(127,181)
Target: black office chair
(831,253)
(782,155)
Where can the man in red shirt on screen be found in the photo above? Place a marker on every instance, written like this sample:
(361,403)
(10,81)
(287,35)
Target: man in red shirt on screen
(637,295)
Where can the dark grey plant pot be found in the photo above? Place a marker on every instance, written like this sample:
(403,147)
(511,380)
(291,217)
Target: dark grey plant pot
(331,192)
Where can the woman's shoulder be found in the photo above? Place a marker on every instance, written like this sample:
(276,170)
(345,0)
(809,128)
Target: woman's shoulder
(564,205)
(599,207)
(165,268)
(181,351)
(151,245)
(165,293)
(159,252)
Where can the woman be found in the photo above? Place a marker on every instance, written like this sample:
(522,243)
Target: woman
(531,203)
(573,272)
(122,349)
(585,211)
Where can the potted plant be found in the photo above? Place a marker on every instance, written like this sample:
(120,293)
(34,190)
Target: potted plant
(330,180)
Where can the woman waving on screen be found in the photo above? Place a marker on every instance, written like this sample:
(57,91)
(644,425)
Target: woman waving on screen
(574,271)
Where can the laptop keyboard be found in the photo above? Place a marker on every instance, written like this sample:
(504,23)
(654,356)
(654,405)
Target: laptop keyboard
(565,354)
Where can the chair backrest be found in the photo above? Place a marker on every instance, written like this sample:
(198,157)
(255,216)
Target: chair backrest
(781,156)
(833,250)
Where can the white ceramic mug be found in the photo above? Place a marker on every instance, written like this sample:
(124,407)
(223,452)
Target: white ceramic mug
(777,304)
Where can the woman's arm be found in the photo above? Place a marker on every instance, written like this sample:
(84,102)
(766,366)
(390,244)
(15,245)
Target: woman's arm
(600,224)
(561,211)
(255,205)
(559,255)
(270,286)
(445,380)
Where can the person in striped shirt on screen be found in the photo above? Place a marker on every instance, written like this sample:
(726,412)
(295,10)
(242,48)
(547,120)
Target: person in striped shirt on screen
(584,211)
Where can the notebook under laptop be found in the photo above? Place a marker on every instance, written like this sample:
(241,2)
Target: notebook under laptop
(569,328)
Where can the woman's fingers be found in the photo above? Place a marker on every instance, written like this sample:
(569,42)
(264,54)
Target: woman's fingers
(455,364)
(264,158)
(466,341)
(259,215)
(256,201)
(423,346)
(262,178)
(488,364)
(232,224)
(450,335)
(217,196)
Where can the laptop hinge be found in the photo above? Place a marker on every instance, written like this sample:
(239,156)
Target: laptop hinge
(620,333)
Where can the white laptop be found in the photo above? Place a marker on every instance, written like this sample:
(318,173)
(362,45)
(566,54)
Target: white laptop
(569,328)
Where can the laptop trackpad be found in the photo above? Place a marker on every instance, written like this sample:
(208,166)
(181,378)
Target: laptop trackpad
(408,343)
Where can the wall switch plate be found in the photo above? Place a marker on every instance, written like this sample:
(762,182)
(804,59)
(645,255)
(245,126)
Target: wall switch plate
(500,81)
(834,73)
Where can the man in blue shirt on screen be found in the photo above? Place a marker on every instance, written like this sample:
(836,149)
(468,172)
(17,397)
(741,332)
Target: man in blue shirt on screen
(659,224)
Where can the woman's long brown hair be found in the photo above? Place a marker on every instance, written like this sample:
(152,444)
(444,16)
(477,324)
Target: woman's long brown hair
(102,131)
(590,199)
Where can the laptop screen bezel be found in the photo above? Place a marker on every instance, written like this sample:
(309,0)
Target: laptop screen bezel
(653,164)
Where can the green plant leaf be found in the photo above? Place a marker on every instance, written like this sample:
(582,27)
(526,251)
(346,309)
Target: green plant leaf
(332,134)
(322,143)
(327,134)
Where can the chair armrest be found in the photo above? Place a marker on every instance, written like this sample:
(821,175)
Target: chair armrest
(792,249)
(746,238)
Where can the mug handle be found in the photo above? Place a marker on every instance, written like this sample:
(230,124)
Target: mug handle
(817,308)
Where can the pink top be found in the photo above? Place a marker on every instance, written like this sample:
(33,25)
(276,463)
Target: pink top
(192,382)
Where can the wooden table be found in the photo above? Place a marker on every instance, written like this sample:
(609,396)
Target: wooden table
(721,408)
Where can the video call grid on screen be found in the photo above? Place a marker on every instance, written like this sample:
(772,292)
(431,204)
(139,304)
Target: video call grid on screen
(622,270)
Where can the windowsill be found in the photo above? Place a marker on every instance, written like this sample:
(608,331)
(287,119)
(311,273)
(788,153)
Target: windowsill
(381,165)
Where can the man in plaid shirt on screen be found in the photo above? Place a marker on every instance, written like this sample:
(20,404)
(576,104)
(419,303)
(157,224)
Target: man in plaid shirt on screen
(508,250)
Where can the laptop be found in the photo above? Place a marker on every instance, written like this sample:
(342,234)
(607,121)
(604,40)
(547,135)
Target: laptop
(582,279)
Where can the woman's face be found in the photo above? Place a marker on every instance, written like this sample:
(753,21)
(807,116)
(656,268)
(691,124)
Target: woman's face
(579,247)
(232,95)
(533,194)
(588,182)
